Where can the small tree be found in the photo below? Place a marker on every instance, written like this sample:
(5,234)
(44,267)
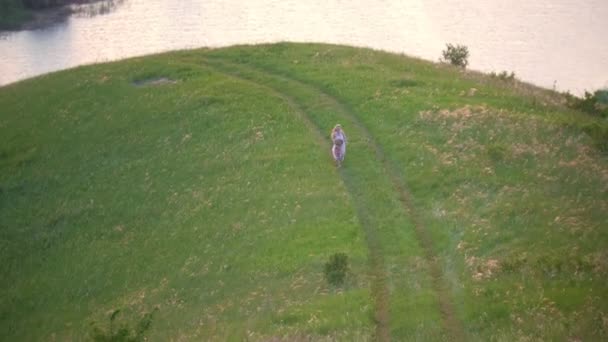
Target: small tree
(456,55)
(602,96)
(595,103)
(336,268)
(116,332)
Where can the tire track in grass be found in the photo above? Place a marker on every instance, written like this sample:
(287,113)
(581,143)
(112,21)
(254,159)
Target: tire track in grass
(379,286)
(450,322)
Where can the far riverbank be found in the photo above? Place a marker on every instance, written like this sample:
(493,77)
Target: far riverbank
(15,15)
(540,42)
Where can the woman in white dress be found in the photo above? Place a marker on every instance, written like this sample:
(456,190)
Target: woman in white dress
(338,150)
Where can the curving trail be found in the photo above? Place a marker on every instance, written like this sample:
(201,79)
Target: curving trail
(380,292)
(378,275)
(451,324)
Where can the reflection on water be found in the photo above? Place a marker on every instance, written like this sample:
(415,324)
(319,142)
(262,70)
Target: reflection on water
(94,8)
(547,42)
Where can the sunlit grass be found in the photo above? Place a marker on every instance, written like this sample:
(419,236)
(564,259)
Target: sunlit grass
(207,198)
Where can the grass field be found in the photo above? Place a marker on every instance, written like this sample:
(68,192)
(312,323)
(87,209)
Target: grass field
(192,196)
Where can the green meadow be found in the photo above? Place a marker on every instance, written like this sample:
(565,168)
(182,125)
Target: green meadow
(191,196)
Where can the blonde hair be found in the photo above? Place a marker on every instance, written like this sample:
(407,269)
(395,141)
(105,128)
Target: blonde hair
(336,127)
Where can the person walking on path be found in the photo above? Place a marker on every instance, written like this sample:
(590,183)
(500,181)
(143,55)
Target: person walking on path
(338,150)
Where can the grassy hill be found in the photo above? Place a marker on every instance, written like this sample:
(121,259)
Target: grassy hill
(192,196)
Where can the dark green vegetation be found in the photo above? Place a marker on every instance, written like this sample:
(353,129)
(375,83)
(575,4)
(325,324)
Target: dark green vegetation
(29,14)
(198,186)
(457,55)
(38,4)
(595,103)
(336,269)
(116,332)
(12,14)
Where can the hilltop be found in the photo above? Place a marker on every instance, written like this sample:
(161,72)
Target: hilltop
(191,196)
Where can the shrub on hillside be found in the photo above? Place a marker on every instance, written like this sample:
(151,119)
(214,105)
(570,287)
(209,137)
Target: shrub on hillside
(116,332)
(595,103)
(599,135)
(503,75)
(336,269)
(602,96)
(456,55)
(496,152)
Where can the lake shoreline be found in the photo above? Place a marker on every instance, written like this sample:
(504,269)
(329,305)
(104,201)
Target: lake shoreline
(39,19)
(36,19)
(113,29)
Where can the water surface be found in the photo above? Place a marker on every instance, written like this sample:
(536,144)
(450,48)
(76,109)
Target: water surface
(551,43)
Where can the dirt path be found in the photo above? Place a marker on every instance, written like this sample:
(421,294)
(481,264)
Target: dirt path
(379,287)
(451,324)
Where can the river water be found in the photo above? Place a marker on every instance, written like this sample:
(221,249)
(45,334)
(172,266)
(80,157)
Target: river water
(560,44)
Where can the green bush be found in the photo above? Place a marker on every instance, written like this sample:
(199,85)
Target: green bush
(116,332)
(595,103)
(336,269)
(496,152)
(503,75)
(599,135)
(602,96)
(456,55)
